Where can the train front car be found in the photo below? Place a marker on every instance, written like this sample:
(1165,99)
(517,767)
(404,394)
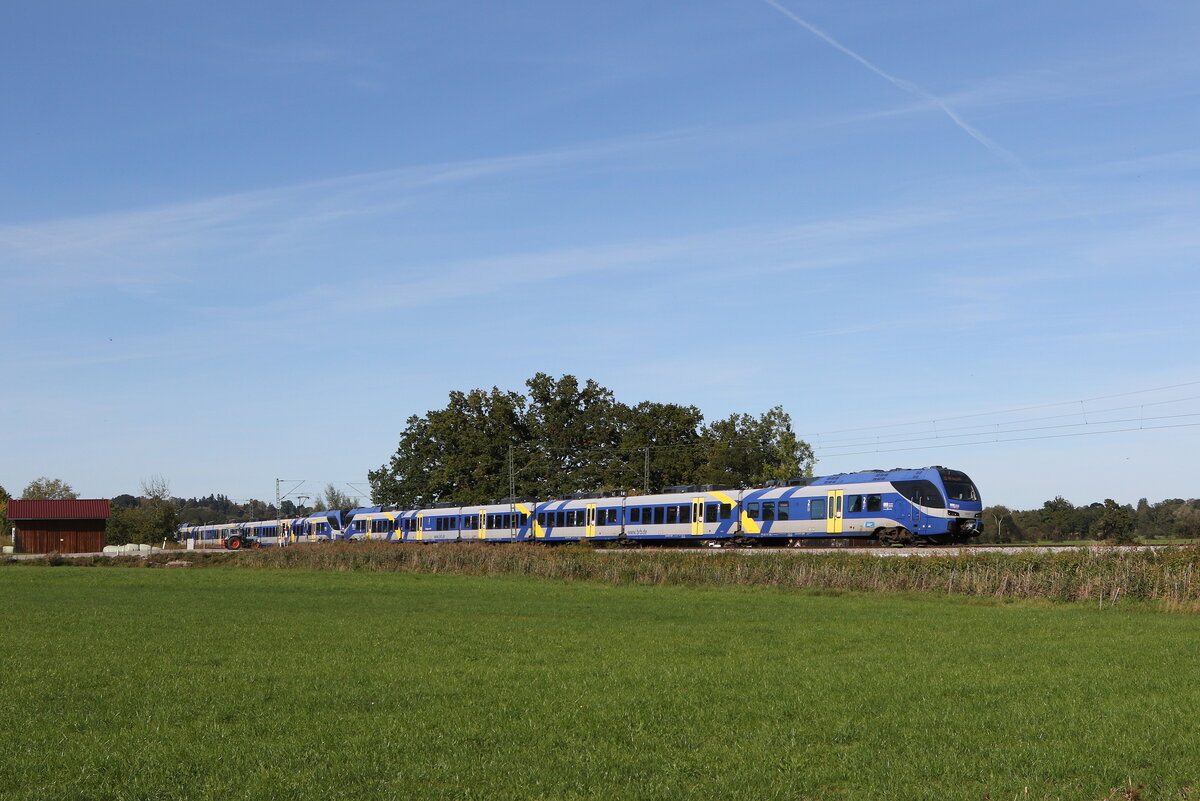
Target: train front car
(936,505)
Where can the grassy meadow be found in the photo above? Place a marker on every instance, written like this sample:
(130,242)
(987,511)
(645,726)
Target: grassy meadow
(300,684)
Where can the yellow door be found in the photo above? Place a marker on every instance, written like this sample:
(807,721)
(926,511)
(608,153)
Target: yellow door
(697,517)
(420,526)
(833,512)
(591,520)
(482,523)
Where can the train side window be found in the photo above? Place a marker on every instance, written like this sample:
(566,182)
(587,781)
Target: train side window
(785,510)
(685,514)
(752,510)
(672,514)
(710,513)
(658,515)
(727,511)
(816,509)
(874,503)
(768,510)
(635,514)
(854,503)
(612,517)
(560,518)
(541,518)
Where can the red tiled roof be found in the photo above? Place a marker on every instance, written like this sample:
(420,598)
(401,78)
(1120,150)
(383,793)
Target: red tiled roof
(58,510)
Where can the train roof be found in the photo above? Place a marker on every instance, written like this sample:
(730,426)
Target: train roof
(868,476)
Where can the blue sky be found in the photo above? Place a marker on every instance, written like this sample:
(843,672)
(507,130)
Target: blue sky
(247,241)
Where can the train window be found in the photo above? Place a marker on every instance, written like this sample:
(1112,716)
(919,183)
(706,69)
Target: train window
(874,503)
(635,514)
(726,511)
(710,513)
(561,518)
(612,517)
(922,493)
(816,509)
(958,486)
(524,519)
(854,503)
(541,518)
(785,510)
(752,510)
(672,514)
(658,515)
(508,521)
(685,514)
(768,510)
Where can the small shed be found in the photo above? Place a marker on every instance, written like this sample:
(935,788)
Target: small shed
(59,526)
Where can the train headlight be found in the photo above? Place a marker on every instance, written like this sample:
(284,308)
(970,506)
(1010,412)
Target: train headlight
(952,513)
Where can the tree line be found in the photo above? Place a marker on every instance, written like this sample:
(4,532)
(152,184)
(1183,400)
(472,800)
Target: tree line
(564,436)
(1058,520)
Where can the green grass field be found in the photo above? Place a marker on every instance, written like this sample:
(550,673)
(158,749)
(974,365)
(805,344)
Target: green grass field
(247,684)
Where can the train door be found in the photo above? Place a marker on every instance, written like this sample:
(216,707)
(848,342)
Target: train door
(833,516)
(591,520)
(420,529)
(697,517)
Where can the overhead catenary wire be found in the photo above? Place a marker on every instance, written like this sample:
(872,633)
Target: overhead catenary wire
(996,413)
(946,432)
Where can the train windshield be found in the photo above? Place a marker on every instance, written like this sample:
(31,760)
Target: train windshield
(959,487)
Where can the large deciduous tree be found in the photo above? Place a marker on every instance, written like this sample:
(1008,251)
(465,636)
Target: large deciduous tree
(149,518)
(565,436)
(49,489)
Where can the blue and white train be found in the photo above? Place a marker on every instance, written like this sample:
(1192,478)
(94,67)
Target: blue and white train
(929,505)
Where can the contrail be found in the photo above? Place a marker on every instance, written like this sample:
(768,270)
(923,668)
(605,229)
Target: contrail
(912,89)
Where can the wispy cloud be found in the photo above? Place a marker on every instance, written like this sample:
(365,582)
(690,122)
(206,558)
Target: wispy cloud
(909,87)
(141,247)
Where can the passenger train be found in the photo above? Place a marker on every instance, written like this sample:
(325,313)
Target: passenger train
(928,505)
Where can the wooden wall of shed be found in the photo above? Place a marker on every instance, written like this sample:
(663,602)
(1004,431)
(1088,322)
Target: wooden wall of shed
(60,536)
